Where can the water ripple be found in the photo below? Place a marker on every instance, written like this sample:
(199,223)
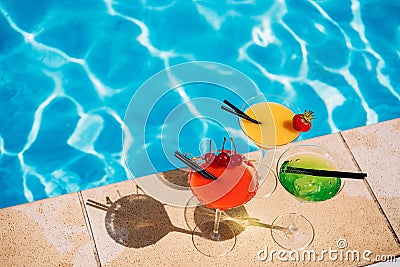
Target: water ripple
(68,71)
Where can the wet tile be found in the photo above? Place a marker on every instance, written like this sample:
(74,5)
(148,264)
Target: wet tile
(51,232)
(376,149)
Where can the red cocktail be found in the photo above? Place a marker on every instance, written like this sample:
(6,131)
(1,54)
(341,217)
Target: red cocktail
(234,187)
(236,184)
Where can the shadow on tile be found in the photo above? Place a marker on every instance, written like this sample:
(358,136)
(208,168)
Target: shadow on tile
(136,220)
(177,177)
(237,219)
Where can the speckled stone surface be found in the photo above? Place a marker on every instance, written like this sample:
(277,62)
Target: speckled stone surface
(51,232)
(352,215)
(121,225)
(376,149)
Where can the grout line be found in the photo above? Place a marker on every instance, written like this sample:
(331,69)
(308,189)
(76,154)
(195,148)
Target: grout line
(89,227)
(374,197)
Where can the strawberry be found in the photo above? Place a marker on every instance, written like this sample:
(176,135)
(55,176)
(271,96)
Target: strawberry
(302,122)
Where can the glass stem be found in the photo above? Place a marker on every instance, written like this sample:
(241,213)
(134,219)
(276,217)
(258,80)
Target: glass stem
(293,227)
(216,235)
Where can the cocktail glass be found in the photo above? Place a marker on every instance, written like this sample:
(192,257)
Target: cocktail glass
(235,186)
(276,129)
(293,231)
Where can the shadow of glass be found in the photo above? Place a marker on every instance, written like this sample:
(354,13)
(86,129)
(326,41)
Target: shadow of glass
(138,221)
(177,177)
(236,218)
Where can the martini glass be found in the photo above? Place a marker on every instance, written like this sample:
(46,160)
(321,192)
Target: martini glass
(276,129)
(235,185)
(293,231)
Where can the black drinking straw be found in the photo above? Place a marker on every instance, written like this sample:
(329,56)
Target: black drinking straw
(240,115)
(238,112)
(194,166)
(325,173)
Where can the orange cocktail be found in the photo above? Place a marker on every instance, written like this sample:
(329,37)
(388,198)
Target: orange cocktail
(276,126)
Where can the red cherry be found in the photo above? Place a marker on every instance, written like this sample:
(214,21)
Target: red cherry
(223,157)
(236,159)
(210,157)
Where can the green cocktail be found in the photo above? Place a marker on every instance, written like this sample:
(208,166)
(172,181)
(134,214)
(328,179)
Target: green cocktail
(308,187)
(293,231)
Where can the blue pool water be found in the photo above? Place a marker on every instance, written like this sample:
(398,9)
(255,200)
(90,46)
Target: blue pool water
(69,69)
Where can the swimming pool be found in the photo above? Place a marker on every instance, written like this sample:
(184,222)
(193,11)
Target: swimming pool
(69,70)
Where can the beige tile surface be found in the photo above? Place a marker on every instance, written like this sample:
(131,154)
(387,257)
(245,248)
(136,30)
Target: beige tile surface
(51,232)
(136,229)
(376,149)
(352,215)
(120,225)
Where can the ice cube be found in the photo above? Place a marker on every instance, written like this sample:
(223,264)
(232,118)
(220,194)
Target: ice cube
(306,186)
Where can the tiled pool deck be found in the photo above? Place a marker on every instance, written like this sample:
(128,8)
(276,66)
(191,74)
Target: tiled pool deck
(66,231)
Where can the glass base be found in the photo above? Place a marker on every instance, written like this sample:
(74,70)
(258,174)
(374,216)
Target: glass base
(222,243)
(289,237)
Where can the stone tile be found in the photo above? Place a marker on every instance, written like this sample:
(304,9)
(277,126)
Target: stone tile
(351,215)
(137,229)
(131,228)
(387,263)
(376,149)
(50,232)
